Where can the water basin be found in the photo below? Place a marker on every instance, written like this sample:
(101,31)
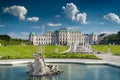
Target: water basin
(70,72)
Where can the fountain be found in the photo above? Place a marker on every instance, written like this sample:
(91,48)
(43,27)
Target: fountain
(39,67)
(81,48)
(74,48)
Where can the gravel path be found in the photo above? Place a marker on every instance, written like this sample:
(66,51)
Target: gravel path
(109,57)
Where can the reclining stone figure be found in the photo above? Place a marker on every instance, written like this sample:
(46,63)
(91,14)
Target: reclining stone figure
(39,67)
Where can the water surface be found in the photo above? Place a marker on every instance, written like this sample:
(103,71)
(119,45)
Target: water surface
(71,72)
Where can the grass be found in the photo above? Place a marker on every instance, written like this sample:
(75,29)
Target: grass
(27,51)
(71,55)
(51,49)
(115,49)
(21,52)
(12,42)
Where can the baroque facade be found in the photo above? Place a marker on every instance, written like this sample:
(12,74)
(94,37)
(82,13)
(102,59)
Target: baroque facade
(91,38)
(62,36)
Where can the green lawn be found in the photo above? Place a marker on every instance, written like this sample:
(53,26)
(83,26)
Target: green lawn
(20,52)
(115,49)
(51,49)
(27,51)
(71,55)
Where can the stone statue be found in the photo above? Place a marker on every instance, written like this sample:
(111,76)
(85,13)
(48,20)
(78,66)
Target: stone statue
(39,67)
(56,50)
(109,52)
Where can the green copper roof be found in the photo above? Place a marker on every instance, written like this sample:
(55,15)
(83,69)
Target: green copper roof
(32,33)
(57,31)
(63,30)
(93,33)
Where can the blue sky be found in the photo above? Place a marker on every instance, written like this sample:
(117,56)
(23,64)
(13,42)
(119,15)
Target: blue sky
(20,17)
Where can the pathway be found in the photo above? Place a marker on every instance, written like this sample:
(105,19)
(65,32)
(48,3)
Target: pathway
(109,57)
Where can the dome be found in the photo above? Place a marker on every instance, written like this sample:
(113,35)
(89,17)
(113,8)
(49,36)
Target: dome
(62,29)
(93,33)
(32,33)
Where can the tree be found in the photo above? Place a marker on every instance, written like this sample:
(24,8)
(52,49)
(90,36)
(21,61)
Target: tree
(113,38)
(119,35)
(5,37)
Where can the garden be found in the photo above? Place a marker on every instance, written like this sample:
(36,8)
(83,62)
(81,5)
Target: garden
(114,49)
(23,52)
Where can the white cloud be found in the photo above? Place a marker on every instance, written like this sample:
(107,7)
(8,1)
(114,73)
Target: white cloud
(54,25)
(34,19)
(18,11)
(70,10)
(108,32)
(73,13)
(21,35)
(112,17)
(81,17)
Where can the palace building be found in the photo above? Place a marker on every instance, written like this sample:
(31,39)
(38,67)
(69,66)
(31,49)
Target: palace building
(62,36)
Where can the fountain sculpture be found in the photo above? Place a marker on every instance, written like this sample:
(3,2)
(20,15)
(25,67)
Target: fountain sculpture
(39,67)
(74,48)
(81,48)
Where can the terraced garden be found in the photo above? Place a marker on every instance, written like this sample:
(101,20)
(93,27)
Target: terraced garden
(27,51)
(115,49)
(23,52)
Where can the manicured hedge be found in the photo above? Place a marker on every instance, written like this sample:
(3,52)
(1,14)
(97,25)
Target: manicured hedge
(54,55)
(71,55)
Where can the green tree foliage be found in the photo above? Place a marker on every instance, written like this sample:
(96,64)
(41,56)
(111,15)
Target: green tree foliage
(113,38)
(5,37)
(7,40)
(119,35)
